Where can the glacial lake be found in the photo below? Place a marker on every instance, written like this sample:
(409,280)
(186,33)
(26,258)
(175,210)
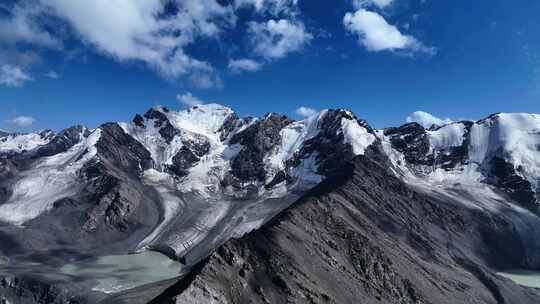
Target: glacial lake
(115,273)
(523,277)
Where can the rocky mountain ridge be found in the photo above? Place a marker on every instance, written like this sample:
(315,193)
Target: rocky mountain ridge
(186,182)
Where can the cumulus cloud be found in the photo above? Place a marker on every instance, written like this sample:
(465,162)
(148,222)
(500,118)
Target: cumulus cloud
(157,33)
(275,39)
(126,30)
(22,121)
(189,100)
(376,34)
(305,111)
(427,120)
(137,30)
(244,65)
(13,76)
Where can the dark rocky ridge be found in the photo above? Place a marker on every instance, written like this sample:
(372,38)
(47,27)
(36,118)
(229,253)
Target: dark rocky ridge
(28,290)
(193,147)
(504,176)
(332,151)
(166,129)
(63,141)
(110,213)
(188,156)
(365,236)
(257,140)
(411,139)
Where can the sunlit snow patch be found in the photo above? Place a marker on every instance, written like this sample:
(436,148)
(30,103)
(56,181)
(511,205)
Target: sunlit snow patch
(51,179)
(448,136)
(16,143)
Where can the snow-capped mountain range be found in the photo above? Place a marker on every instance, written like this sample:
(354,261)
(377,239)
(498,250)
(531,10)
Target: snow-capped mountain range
(189,180)
(501,150)
(215,175)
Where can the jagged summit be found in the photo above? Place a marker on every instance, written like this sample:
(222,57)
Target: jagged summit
(184,182)
(197,163)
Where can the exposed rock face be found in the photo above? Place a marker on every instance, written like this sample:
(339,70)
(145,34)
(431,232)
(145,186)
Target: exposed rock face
(120,149)
(257,140)
(31,291)
(166,129)
(187,157)
(193,148)
(63,141)
(231,123)
(113,177)
(414,142)
(105,209)
(329,145)
(505,176)
(485,146)
(411,140)
(364,236)
(138,120)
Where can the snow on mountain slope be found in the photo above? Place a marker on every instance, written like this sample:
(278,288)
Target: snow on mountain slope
(216,175)
(204,119)
(17,143)
(451,135)
(516,137)
(195,152)
(502,151)
(50,179)
(191,134)
(356,136)
(199,139)
(293,137)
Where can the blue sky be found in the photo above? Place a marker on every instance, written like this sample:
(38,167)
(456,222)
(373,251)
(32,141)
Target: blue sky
(64,62)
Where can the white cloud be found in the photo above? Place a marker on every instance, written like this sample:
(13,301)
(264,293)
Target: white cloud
(189,100)
(13,76)
(154,33)
(22,26)
(128,30)
(305,111)
(241,65)
(275,39)
(52,74)
(427,120)
(274,7)
(379,3)
(375,34)
(22,121)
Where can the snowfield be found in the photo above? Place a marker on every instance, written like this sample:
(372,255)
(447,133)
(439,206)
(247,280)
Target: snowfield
(189,222)
(51,179)
(17,143)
